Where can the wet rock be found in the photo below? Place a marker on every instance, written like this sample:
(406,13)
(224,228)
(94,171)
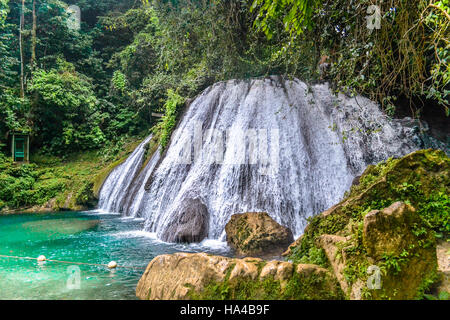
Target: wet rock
(257,234)
(188,224)
(355,181)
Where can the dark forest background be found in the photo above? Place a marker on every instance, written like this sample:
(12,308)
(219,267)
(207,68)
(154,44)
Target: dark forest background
(77,90)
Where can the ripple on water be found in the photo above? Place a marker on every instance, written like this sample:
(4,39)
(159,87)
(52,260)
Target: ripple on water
(90,237)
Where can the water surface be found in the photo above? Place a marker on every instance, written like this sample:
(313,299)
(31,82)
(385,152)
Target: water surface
(88,237)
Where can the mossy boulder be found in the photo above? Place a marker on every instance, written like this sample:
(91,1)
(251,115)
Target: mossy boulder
(388,222)
(207,277)
(390,247)
(257,234)
(390,231)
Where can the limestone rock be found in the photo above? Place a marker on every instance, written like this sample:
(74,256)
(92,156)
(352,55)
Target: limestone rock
(443,257)
(310,269)
(189,223)
(201,276)
(171,277)
(257,234)
(279,270)
(386,233)
(389,231)
(332,245)
(244,269)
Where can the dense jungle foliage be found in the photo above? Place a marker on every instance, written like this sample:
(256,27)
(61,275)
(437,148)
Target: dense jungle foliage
(76,90)
(84,89)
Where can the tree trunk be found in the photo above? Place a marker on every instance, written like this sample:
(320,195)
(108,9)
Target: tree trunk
(22,24)
(33,37)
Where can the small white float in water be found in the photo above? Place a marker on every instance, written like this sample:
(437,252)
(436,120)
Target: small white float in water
(41,259)
(112,265)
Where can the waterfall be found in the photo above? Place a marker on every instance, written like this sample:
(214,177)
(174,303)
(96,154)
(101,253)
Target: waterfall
(272,145)
(116,187)
(136,192)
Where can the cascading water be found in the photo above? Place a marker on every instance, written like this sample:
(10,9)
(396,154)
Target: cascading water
(115,187)
(136,192)
(269,145)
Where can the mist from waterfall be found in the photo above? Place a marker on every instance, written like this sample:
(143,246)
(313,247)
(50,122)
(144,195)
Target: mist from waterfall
(265,145)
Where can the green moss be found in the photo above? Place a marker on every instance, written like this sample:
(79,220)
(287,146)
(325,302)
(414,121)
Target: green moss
(85,195)
(298,287)
(214,290)
(312,287)
(307,251)
(165,128)
(313,255)
(268,289)
(420,179)
(149,293)
(103,174)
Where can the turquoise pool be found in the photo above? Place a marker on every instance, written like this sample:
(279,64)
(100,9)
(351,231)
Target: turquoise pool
(88,237)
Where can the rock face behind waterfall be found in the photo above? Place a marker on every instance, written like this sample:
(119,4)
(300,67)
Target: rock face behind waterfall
(189,224)
(263,145)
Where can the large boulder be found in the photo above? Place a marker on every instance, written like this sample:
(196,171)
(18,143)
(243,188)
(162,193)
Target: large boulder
(188,224)
(206,277)
(389,244)
(257,234)
(390,231)
(395,238)
(379,240)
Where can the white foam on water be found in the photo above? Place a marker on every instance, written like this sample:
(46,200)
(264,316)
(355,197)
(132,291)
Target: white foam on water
(214,244)
(136,234)
(101,212)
